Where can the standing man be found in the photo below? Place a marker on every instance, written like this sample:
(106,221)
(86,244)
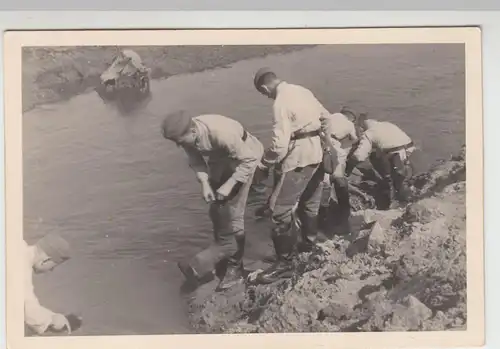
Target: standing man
(296,154)
(45,255)
(342,134)
(389,149)
(232,156)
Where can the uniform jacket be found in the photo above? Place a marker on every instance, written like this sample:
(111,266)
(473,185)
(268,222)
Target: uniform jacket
(295,109)
(219,148)
(381,135)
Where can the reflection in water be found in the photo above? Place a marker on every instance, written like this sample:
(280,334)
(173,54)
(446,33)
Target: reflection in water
(126,100)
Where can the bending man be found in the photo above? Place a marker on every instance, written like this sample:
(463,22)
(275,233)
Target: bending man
(388,148)
(232,156)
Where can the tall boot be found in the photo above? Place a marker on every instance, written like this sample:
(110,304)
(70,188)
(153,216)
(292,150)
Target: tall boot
(309,232)
(342,192)
(234,270)
(402,191)
(387,192)
(285,248)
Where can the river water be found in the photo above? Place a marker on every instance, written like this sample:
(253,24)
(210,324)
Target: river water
(130,206)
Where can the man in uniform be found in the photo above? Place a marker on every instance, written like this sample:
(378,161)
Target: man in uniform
(389,149)
(296,154)
(49,252)
(232,156)
(342,133)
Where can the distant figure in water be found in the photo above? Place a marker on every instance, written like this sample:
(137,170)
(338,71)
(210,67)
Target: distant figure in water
(226,177)
(126,82)
(45,255)
(389,149)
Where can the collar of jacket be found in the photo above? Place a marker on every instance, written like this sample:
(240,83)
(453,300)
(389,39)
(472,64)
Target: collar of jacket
(201,134)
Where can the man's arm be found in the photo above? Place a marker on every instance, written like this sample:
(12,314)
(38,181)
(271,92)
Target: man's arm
(364,148)
(360,152)
(282,132)
(246,156)
(197,163)
(36,317)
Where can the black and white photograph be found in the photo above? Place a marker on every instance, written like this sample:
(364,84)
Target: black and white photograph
(267,186)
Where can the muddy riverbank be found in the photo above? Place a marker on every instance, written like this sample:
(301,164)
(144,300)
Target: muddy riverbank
(54,74)
(399,270)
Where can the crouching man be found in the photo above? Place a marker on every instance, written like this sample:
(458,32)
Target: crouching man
(341,133)
(226,176)
(389,149)
(45,255)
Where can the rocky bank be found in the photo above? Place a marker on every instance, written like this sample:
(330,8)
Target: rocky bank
(399,270)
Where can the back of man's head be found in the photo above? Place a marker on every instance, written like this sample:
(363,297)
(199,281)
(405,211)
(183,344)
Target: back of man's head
(264,76)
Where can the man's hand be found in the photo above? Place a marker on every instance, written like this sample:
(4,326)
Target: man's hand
(263,212)
(261,173)
(207,192)
(60,322)
(224,190)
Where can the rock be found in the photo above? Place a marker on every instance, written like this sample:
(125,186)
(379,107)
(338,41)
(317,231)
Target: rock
(423,212)
(253,276)
(377,238)
(334,310)
(409,315)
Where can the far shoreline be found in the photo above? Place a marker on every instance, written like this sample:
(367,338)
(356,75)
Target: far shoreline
(55,74)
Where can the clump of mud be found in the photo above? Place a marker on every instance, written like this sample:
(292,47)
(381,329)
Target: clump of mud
(402,270)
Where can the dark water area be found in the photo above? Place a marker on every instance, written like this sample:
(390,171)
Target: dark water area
(130,206)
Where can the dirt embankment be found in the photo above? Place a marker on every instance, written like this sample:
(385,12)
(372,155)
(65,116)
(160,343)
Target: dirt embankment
(400,270)
(53,74)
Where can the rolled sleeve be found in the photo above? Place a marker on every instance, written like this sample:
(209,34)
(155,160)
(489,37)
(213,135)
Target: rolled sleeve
(197,163)
(364,148)
(282,132)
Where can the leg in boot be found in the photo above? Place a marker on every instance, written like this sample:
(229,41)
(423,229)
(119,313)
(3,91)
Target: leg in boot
(284,241)
(234,270)
(399,174)
(341,186)
(307,211)
(291,186)
(224,245)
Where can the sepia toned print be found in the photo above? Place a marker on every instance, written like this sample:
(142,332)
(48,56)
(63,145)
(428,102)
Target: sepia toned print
(220,183)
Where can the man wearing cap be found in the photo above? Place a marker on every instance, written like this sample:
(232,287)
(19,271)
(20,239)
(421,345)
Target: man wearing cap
(45,255)
(232,155)
(296,154)
(389,149)
(342,133)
